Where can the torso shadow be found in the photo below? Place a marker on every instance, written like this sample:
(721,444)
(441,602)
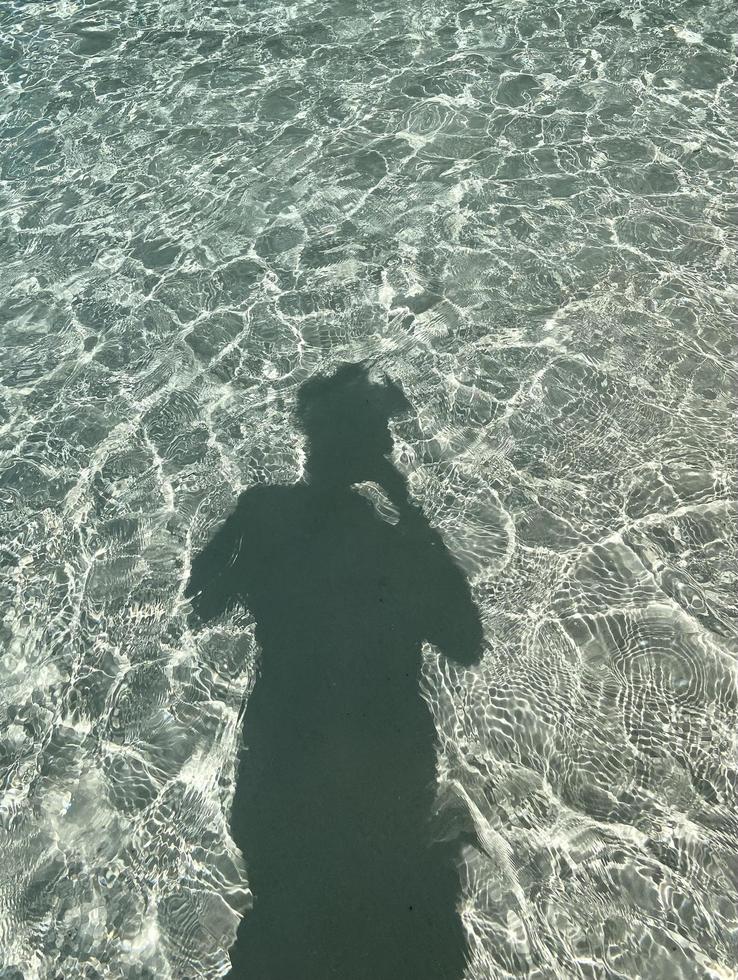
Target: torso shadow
(336,778)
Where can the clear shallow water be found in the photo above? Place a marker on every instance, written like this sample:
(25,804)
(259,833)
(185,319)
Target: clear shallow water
(527,215)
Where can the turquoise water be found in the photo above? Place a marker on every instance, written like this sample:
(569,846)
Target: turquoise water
(523,215)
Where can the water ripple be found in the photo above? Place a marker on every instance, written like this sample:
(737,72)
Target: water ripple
(525,216)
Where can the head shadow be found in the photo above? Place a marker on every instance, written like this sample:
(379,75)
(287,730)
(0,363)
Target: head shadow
(345,419)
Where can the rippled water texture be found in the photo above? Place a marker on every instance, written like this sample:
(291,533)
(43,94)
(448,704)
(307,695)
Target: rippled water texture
(525,213)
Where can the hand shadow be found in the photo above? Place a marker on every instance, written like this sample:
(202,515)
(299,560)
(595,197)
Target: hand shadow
(336,778)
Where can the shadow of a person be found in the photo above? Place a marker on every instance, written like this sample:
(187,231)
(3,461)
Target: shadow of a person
(336,778)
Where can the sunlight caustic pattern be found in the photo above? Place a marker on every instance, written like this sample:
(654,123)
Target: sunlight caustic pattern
(523,214)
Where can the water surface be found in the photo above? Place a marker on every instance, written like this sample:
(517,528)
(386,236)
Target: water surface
(524,216)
